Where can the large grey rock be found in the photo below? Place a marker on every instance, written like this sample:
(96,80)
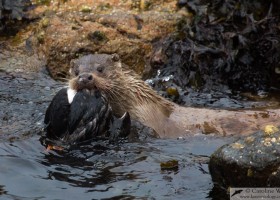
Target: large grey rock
(249,162)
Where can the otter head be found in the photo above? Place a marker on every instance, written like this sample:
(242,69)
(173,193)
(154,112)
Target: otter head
(93,71)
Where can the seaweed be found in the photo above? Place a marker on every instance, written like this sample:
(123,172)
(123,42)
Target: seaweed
(11,12)
(221,44)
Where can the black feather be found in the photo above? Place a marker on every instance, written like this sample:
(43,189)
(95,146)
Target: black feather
(57,113)
(88,116)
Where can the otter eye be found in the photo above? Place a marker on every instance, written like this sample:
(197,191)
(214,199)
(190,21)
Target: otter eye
(100,69)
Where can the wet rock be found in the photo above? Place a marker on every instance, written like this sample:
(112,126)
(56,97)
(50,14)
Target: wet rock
(220,96)
(252,161)
(23,99)
(115,27)
(26,89)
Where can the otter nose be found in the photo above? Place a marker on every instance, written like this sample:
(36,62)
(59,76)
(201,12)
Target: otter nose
(85,78)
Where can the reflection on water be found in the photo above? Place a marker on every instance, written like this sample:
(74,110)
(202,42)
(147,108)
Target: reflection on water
(101,170)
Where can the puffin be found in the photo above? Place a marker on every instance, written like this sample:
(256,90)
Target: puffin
(77,116)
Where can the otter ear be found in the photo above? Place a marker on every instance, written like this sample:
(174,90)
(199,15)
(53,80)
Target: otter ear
(115,57)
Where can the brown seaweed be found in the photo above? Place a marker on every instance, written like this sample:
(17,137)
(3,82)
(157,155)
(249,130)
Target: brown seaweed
(12,14)
(223,45)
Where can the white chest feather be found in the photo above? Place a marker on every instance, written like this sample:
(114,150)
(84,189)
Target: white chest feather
(70,94)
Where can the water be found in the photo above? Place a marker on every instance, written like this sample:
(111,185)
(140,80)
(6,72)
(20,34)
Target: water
(103,171)
(100,170)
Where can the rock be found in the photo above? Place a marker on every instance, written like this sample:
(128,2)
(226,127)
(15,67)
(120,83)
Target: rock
(116,27)
(252,161)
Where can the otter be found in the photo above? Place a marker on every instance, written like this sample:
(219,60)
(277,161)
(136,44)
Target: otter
(126,92)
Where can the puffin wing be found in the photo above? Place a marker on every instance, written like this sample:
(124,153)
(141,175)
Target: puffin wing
(56,116)
(88,111)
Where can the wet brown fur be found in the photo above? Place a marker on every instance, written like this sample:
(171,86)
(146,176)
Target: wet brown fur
(127,92)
